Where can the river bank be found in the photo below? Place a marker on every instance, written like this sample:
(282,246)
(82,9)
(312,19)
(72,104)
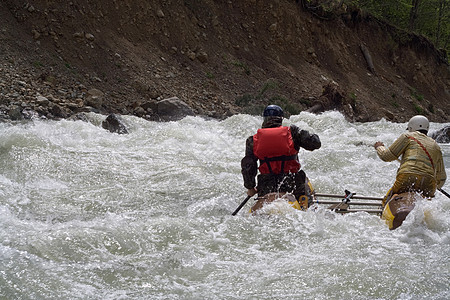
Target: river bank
(220,59)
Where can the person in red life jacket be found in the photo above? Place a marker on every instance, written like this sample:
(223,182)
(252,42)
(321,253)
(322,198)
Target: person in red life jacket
(276,147)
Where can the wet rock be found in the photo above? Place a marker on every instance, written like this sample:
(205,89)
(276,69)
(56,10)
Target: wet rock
(316,108)
(79,117)
(173,109)
(348,112)
(362,113)
(30,114)
(114,124)
(442,135)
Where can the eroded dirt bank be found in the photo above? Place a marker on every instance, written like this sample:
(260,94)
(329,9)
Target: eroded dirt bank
(220,57)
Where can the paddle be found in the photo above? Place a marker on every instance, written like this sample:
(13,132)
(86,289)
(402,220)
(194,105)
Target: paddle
(444,192)
(240,206)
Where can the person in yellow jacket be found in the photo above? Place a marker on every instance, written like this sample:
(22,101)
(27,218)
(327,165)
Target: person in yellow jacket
(422,167)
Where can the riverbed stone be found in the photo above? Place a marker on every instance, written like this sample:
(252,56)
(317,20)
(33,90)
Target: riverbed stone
(114,123)
(442,135)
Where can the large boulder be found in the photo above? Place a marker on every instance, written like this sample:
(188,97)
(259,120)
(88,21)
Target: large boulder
(114,123)
(442,135)
(172,109)
(95,98)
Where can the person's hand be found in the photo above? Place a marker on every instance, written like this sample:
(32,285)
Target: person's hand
(251,192)
(378,144)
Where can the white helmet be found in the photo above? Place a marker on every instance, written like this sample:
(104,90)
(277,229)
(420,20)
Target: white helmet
(418,123)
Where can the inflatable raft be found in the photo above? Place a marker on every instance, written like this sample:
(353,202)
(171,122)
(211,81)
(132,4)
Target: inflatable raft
(394,212)
(398,207)
(301,204)
(345,205)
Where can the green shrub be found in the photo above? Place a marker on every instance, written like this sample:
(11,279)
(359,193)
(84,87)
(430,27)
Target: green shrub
(244,100)
(416,95)
(418,109)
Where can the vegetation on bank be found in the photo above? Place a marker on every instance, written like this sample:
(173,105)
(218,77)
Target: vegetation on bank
(430,18)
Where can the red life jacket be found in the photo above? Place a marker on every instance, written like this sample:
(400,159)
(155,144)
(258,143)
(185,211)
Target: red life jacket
(274,148)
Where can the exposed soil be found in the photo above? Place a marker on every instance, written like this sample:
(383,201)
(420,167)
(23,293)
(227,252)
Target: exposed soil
(220,57)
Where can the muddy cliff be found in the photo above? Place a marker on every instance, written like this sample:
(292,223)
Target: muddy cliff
(219,57)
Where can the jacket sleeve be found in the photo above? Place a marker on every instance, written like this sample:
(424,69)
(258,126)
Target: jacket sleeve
(441,176)
(395,150)
(249,165)
(304,139)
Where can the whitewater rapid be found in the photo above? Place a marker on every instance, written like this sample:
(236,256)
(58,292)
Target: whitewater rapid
(89,214)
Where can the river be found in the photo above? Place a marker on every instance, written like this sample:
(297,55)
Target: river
(88,214)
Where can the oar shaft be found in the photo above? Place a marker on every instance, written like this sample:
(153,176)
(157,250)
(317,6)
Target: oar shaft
(444,192)
(350,203)
(342,197)
(370,211)
(240,206)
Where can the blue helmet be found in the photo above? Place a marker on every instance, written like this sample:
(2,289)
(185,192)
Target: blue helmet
(273,111)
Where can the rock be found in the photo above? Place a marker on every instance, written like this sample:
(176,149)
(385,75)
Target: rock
(273,27)
(362,113)
(30,114)
(78,35)
(389,115)
(114,124)
(139,111)
(58,111)
(332,98)
(191,55)
(89,36)
(79,117)
(94,102)
(95,93)
(442,135)
(151,105)
(173,109)
(41,100)
(315,109)
(160,13)
(36,34)
(202,57)
(15,113)
(348,112)
(95,98)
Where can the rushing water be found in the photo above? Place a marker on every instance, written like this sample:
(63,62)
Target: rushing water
(87,214)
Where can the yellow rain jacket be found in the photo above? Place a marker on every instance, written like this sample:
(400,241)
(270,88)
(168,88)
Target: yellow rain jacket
(422,166)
